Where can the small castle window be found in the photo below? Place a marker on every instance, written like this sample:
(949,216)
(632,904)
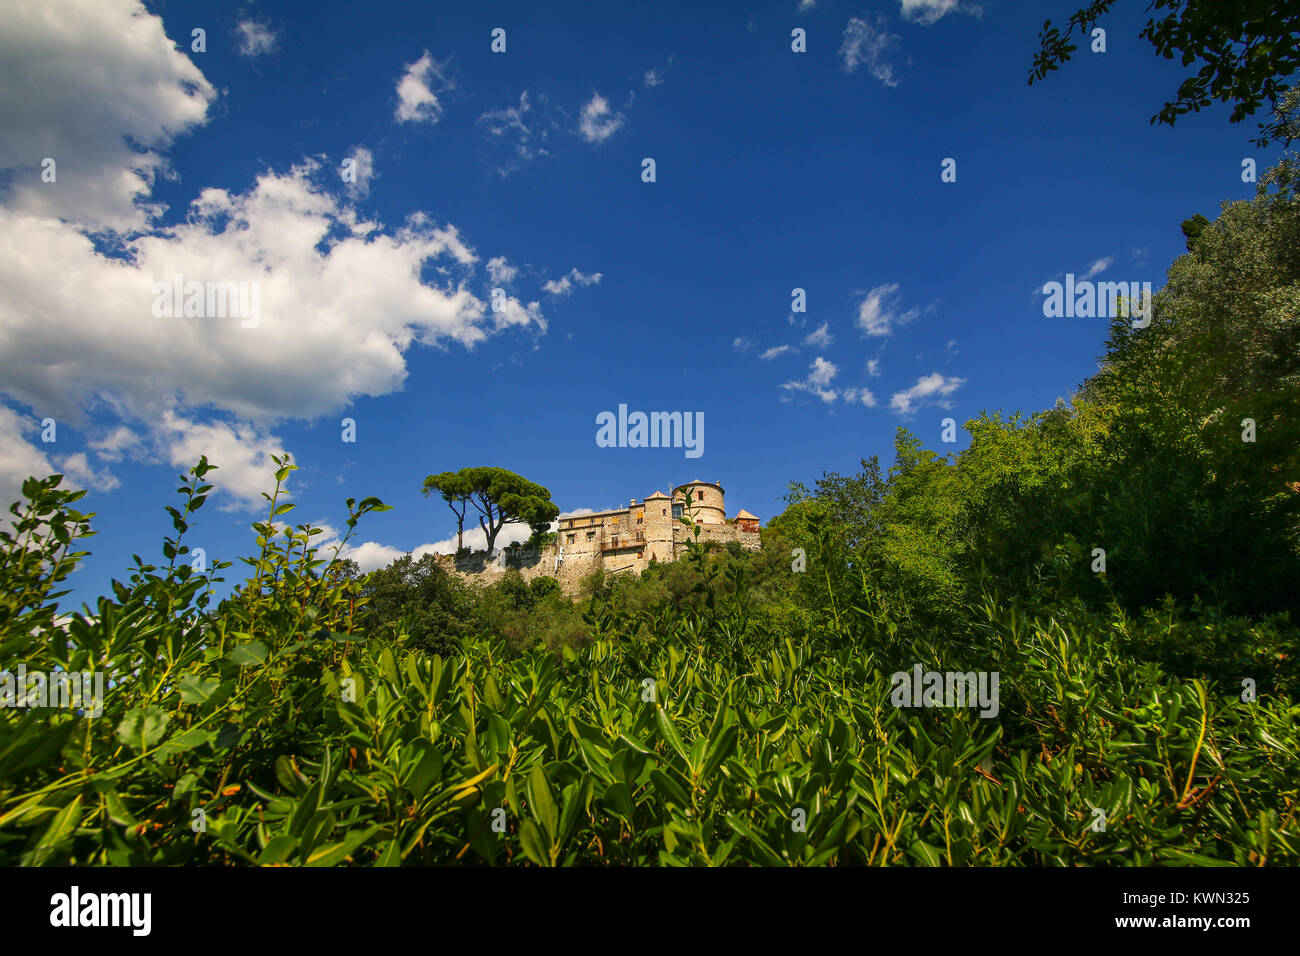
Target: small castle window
(638,520)
(699,496)
(665,511)
(571,537)
(591,536)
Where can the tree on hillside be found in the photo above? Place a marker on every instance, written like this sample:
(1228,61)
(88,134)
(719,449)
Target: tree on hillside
(421,600)
(1247,48)
(852,501)
(1215,381)
(499,496)
(455,488)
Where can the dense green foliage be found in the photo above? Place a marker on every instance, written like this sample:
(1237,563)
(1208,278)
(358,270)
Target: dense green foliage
(737,707)
(697,735)
(1247,51)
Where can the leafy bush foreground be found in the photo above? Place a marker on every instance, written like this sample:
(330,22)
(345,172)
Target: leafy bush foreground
(279,728)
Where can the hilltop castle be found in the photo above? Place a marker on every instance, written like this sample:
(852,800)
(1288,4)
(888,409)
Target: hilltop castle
(624,539)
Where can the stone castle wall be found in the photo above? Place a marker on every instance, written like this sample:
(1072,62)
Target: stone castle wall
(624,540)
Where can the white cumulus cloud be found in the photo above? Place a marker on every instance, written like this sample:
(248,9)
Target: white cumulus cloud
(100,90)
(241,453)
(418,91)
(19,458)
(373,555)
(340,303)
(81,474)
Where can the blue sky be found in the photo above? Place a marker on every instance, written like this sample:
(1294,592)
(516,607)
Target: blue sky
(522,171)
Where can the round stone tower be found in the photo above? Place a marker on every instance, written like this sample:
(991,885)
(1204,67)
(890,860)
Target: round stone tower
(705,501)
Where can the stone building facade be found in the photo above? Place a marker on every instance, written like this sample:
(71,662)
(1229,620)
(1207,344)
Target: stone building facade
(623,540)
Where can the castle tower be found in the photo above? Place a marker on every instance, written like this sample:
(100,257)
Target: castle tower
(659,528)
(706,501)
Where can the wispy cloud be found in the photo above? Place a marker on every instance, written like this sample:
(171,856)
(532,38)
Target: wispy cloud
(1101,265)
(523,131)
(820,374)
(363,171)
(1097,267)
(927,12)
(932,389)
(655,75)
(118,442)
(564,285)
(820,337)
(869,46)
(500,271)
(878,312)
(255,39)
(777,351)
(598,122)
(862,396)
